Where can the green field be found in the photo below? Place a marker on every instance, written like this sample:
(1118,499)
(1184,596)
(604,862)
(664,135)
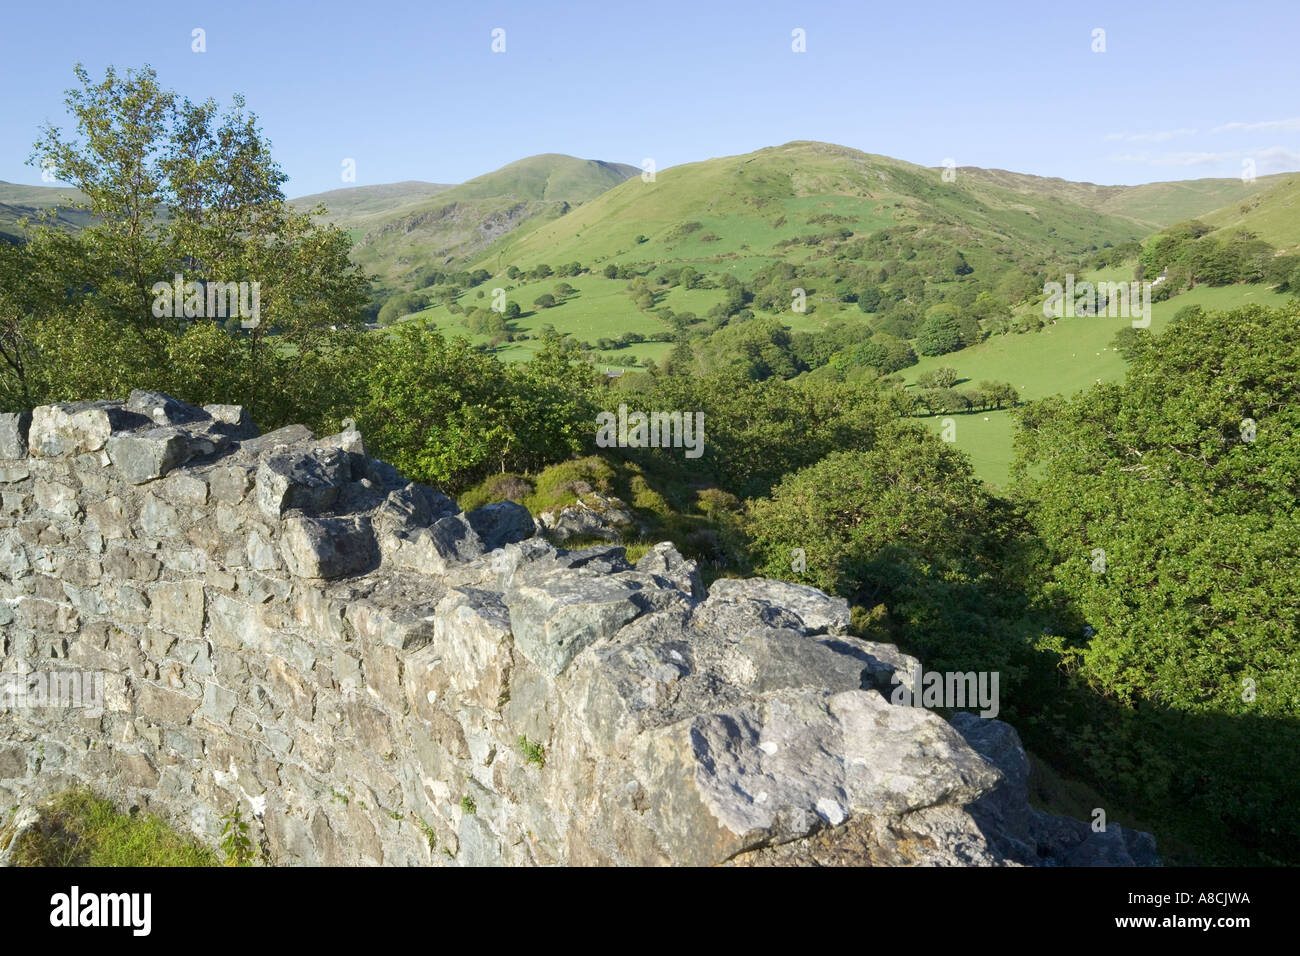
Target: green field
(1062,359)
(985,438)
(599,308)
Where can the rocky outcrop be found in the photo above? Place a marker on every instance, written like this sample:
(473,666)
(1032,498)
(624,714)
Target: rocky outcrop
(592,516)
(376,677)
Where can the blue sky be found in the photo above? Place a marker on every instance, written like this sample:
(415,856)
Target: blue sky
(412,90)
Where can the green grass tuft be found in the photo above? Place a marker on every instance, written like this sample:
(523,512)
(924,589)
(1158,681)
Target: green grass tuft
(80,829)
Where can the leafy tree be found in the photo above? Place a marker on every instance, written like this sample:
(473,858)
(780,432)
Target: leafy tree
(938,401)
(1129,342)
(942,377)
(901,522)
(173,187)
(955,264)
(434,407)
(400,305)
(756,432)
(1166,508)
(17,301)
(999,394)
(552,409)
(940,333)
(900,320)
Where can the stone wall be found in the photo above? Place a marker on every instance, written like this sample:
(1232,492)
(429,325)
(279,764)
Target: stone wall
(378,678)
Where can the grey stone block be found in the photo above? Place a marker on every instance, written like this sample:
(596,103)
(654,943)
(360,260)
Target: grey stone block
(13,434)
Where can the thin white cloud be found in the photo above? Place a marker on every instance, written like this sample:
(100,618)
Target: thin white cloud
(1156,136)
(1270,159)
(1287,125)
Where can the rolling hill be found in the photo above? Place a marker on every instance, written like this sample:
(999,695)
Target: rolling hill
(29,202)
(758,204)
(1273,215)
(355,207)
(811,206)
(737,215)
(459,222)
(1151,205)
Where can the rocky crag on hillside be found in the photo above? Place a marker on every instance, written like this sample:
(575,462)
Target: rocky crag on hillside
(376,677)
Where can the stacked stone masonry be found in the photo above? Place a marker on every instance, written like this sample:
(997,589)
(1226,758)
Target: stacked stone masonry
(376,677)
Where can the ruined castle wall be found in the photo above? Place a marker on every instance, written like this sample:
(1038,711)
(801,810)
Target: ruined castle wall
(376,677)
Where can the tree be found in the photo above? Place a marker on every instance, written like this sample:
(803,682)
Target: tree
(900,521)
(757,431)
(401,305)
(434,407)
(939,401)
(1166,508)
(940,333)
(545,301)
(955,264)
(1129,342)
(16,304)
(999,394)
(942,377)
(173,187)
(552,407)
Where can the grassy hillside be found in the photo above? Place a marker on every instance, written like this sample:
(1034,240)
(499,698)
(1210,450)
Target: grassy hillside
(548,176)
(359,206)
(737,215)
(820,209)
(1273,214)
(20,202)
(1162,204)
(723,211)
(459,223)
(1151,205)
